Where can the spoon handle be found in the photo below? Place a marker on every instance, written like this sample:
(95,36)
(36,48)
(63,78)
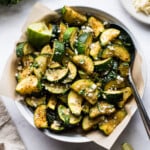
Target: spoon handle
(141,107)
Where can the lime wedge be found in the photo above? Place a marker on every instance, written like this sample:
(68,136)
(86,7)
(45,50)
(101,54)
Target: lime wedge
(38,34)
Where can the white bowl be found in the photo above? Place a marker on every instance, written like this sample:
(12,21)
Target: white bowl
(73,136)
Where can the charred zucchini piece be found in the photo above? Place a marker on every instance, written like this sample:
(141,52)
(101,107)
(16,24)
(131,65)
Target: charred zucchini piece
(56,88)
(54,65)
(124,69)
(40,119)
(73,17)
(24,48)
(101,65)
(72,73)
(59,51)
(27,60)
(84,62)
(88,123)
(66,116)
(112,96)
(39,65)
(86,107)
(127,92)
(83,43)
(54,75)
(47,50)
(87,89)
(35,101)
(38,34)
(25,73)
(70,36)
(75,103)
(108,126)
(101,108)
(96,25)
(56,126)
(117,51)
(114,85)
(108,35)
(62,28)
(95,50)
(52,102)
(28,85)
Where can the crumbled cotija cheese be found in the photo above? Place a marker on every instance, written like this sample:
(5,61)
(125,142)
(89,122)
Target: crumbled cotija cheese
(142,6)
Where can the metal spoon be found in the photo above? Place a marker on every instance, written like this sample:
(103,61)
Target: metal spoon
(138,99)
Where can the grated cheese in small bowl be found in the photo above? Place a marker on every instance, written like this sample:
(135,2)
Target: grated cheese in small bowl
(142,6)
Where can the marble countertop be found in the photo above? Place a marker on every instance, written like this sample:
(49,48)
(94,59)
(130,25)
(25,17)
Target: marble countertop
(11,22)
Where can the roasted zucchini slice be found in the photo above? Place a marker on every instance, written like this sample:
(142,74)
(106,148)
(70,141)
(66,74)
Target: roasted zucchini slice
(72,73)
(62,28)
(56,126)
(56,88)
(35,101)
(112,96)
(52,102)
(66,116)
(39,66)
(86,88)
(24,73)
(117,51)
(47,50)
(59,51)
(96,25)
(84,62)
(95,50)
(115,84)
(83,43)
(70,36)
(108,35)
(127,92)
(28,85)
(75,103)
(101,108)
(40,119)
(108,126)
(27,60)
(54,75)
(88,123)
(24,48)
(101,65)
(54,65)
(73,17)
(86,107)
(124,69)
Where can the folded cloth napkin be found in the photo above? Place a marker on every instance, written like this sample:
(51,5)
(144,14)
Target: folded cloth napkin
(9,137)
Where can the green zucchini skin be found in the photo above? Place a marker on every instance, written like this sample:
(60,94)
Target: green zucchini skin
(112,96)
(59,50)
(24,48)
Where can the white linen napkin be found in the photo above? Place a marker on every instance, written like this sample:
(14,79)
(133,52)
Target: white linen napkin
(9,137)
